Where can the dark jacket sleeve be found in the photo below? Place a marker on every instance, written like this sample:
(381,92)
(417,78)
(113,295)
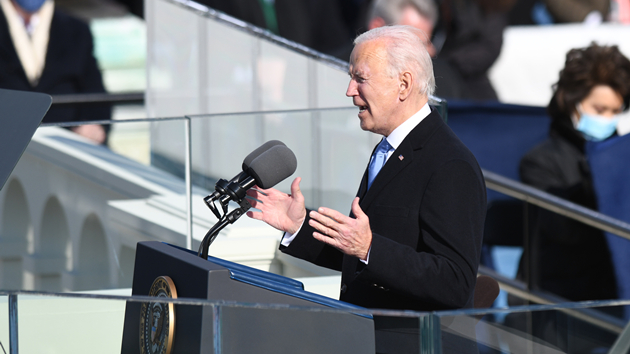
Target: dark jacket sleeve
(306,247)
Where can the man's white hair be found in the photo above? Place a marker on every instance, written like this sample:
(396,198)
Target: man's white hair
(405,52)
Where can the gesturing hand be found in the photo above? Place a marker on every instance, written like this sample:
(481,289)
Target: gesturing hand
(350,236)
(285,212)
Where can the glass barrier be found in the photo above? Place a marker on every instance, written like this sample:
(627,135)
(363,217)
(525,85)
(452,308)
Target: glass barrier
(4,323)
(72,210)
(328,144)
(106,323)
(586,327)
(62,324)
(332,153)
(80,323)
(200,61)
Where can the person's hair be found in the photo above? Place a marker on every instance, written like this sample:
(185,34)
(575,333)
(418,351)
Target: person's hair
(584,69)
(405,52)
(391,10)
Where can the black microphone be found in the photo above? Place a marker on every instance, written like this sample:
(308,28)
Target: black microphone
(270,167)
(265,167)
(259,151)
(222,185)
(265,171)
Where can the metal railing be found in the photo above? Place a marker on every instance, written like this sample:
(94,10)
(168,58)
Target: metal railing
(99,98)
(557,205)
(518,288)
(525,290)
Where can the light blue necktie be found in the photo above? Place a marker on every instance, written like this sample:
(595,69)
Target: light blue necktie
(378,160)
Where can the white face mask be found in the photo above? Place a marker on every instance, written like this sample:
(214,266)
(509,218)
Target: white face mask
(594,127)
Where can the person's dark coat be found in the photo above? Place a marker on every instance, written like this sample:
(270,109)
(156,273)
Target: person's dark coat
(572,259)
(70,68)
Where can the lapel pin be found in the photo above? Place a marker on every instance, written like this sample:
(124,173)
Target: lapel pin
(401,157)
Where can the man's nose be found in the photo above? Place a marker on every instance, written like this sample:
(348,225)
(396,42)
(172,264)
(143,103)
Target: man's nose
(352,89)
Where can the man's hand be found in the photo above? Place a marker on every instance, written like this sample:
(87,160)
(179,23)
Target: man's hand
(285,212)
(351,236)
(93,132)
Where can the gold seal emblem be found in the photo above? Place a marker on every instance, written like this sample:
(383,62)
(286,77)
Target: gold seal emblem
(157,319)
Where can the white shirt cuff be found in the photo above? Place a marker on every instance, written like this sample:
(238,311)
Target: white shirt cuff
(288,238)
(367,259)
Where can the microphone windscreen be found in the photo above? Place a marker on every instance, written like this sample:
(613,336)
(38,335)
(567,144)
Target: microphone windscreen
(273,166)
(259,150)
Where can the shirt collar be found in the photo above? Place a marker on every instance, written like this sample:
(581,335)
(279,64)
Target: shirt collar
(400,133)
(34,21)
(32,24)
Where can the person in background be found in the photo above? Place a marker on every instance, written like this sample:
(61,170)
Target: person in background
(45,50)
(423,15)
(317,24)
(572,258)
(469,36)
(587,11)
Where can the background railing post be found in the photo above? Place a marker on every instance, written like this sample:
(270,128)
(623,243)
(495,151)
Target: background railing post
(430,334)
(188,167)
(13,324)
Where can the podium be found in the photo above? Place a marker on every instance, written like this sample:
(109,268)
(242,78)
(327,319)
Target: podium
(230,328)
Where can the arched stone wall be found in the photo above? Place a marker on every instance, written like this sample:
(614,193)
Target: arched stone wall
(17,230)
(44,268)
(93,261)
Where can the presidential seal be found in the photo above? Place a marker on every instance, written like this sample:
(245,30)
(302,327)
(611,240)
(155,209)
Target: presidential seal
(157,319)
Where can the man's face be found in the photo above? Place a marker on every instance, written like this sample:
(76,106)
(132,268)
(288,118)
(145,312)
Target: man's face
(411,17)
(371,88)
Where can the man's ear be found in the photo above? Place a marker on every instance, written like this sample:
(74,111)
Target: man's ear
(406,84)
(376,22)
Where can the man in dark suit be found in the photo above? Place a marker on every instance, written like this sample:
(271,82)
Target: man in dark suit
(69,67)
(413,239)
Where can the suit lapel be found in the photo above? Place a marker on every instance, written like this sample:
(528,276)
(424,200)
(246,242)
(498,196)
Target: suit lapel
(7,50)
(401,157)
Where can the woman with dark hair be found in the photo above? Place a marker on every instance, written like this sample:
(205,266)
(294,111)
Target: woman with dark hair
(572,259)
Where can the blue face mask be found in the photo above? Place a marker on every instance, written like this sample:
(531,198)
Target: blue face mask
(30,5)
(595,127)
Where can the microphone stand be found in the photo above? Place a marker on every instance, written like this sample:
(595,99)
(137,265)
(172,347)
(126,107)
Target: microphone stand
(230,218)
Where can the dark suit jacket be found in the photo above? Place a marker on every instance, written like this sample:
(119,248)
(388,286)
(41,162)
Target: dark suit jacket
(70,68)
(426,208)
